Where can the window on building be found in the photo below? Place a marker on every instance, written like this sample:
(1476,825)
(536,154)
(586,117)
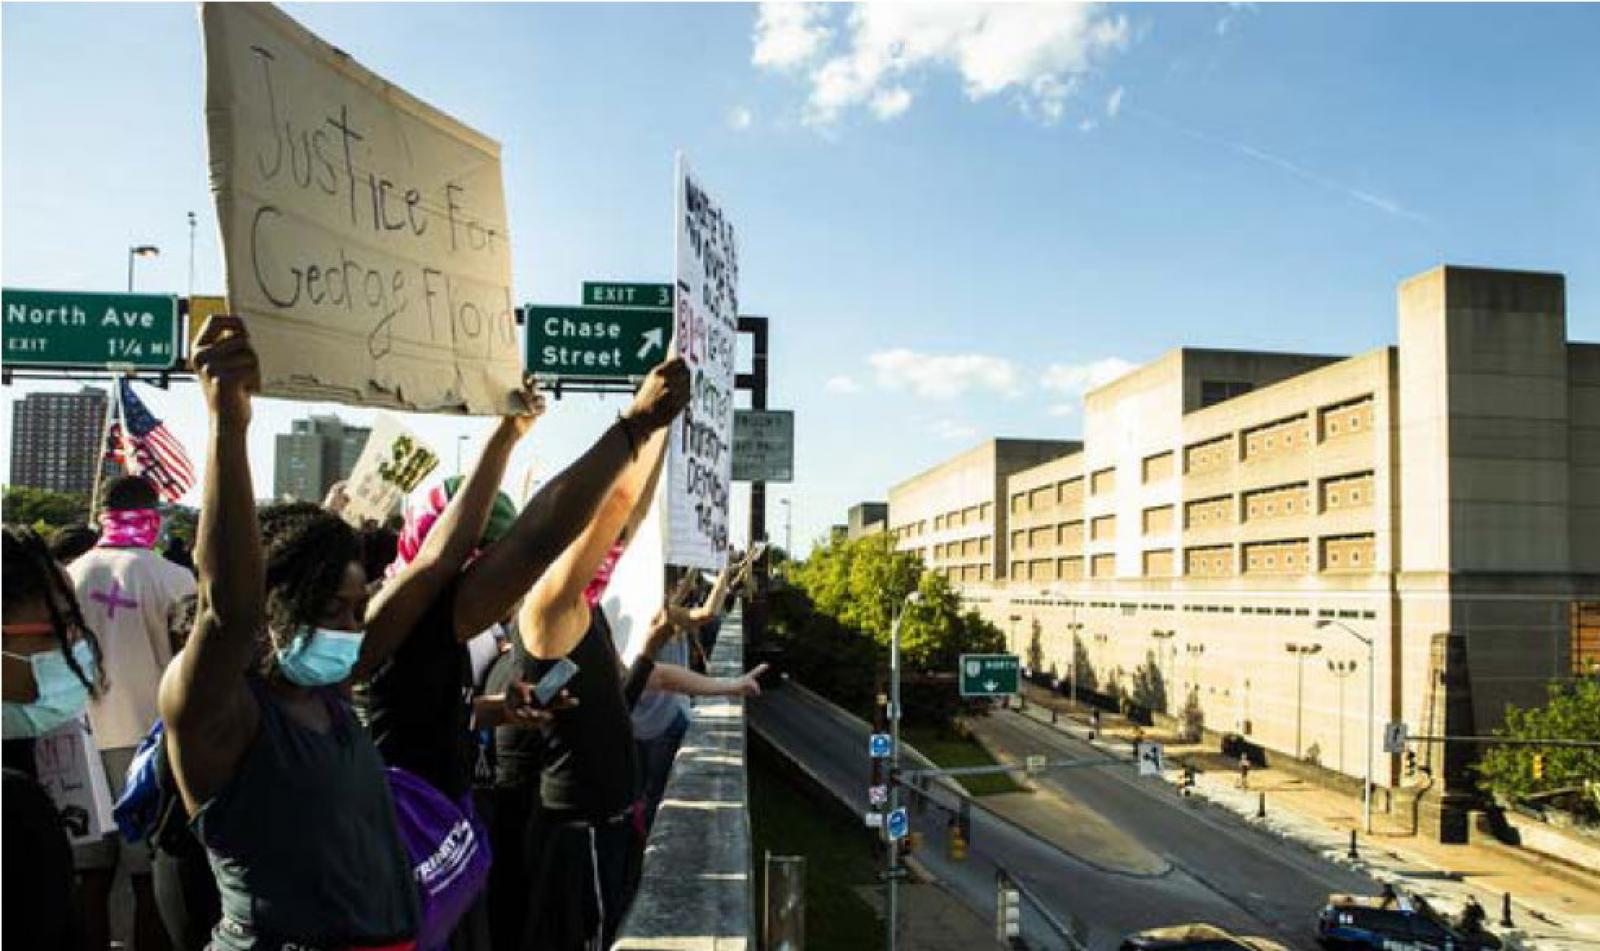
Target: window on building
(1103,527)
(1103,481)
(1157,467)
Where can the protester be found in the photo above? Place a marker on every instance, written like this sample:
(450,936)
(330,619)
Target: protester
(52,667)
(128,592)
(288,794)
(177,552)
(69,544)
(661,717)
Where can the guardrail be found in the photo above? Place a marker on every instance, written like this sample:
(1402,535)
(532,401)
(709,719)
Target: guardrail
(696,892)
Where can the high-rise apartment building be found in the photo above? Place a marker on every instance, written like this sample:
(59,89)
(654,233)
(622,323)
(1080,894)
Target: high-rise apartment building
(1236,524)
(316,452)
(55,440)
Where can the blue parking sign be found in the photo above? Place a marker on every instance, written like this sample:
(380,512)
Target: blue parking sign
(899,824)
(878,746)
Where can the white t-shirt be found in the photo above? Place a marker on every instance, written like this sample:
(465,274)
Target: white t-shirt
(656,709)
(127,596)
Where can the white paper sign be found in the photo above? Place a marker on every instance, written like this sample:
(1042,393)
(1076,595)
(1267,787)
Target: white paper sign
(394,462)
(364,232)
(700,450)
(1152,759)
(71,771)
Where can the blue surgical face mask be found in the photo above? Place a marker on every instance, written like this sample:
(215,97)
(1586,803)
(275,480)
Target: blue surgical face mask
(62,695)
(318,657)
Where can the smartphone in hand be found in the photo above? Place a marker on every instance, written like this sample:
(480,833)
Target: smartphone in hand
(553,680)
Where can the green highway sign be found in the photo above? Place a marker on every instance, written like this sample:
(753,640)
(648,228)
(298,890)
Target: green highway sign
(607,294)
(990,675)
(83,329)
(595,343)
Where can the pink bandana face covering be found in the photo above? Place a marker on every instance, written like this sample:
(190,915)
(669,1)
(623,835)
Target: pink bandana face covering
(129,528)
(597,587)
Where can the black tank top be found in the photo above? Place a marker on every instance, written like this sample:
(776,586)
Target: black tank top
(590,765)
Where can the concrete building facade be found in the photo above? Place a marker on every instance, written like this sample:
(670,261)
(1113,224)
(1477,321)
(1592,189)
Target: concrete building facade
(867,518)
(56,440)
(316,452)
(1236,523)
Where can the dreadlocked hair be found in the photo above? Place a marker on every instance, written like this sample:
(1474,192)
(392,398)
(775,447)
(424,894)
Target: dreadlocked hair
(307,551)
(30,572)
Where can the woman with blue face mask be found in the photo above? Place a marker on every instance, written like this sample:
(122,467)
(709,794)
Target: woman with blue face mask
(283,786)
(51,669)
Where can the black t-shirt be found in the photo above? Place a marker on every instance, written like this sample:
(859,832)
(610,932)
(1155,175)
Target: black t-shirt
(590,764)
(420,702)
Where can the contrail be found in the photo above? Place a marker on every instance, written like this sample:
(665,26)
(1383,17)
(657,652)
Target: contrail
(1304,174)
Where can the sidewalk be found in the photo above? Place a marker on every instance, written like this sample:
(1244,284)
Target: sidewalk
(1549,911)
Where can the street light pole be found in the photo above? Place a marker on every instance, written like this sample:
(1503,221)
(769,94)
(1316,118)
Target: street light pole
(894,763)
(1372,692)
(788,525)
(191,254)
(1340,669)
(1300,652)
(139,251)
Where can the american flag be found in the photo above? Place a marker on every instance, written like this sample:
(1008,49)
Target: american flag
(143,445)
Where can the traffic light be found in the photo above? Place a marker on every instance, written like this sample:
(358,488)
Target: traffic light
(1008,911)
(1411,763)
(958,844)
(1538,766)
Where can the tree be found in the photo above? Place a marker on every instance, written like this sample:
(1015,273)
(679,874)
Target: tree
(1571,713)
(849,593)
(44,509)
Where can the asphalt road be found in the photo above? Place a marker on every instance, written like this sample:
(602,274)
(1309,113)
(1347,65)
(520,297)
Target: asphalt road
(1217,869)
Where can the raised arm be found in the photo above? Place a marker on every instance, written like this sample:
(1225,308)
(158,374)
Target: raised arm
(711,608)
(549,523)
(398,606)
(204,699)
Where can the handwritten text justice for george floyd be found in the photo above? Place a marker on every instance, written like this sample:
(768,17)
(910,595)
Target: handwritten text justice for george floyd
(319,156)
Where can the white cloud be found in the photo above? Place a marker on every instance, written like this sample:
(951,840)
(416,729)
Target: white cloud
(1114,102)
(842,385)
(1061,409)
(1035,51)
(789,35)
(1087,125)
(952,429)
(944,376)
(1076,379)
(1234,12)
(740,118)
(888,103)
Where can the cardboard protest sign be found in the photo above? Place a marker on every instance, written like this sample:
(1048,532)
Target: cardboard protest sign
(363,231)
(394,461)
(706,315)
(71,771)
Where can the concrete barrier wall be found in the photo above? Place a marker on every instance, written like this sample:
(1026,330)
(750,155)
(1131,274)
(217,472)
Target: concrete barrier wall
(697,889)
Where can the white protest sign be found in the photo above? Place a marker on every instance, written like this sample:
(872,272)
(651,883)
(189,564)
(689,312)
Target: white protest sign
(364,232)
(394,461)
(71,771)
(699,453)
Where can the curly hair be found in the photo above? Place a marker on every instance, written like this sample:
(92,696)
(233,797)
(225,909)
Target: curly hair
(307,550)
(30,572)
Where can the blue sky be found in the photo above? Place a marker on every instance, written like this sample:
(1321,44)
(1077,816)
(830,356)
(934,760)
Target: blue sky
(956,217)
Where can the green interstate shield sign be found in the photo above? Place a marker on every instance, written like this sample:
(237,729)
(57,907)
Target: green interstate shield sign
(89,330)
(595,343)
(990,675)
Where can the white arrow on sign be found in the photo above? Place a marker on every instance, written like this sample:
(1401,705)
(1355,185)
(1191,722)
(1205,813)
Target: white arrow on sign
(990,686)
(652,338)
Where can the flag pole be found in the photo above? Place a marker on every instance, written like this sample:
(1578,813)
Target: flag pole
(113,401)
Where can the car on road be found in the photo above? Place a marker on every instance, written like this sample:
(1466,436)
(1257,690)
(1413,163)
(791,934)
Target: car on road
(1195,937)
(1351,923)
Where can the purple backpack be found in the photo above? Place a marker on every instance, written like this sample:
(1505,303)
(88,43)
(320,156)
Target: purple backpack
(449,852)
